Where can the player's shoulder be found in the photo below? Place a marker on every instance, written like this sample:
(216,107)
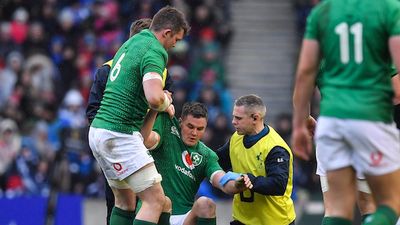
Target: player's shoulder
(205,150)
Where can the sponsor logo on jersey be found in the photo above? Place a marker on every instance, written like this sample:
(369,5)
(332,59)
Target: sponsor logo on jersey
(187,160)
(185,172)
(175,131)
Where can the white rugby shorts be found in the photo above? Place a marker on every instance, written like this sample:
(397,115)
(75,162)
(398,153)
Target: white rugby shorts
(178,219)
(119,155)
(370,147)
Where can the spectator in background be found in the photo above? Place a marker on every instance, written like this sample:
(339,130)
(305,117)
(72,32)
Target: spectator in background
(9,75)
(10,147)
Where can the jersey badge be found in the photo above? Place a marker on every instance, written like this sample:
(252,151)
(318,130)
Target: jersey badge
(196,158)
(175,131)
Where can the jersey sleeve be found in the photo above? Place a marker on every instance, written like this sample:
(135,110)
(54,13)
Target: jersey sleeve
(311,31)
(393,17)
(212,164)
(154,61)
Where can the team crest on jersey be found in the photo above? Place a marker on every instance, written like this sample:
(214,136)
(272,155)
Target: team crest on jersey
(187,160)
(196,158)
(175,131)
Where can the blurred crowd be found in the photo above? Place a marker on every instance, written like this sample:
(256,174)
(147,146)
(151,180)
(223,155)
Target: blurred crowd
(49,52)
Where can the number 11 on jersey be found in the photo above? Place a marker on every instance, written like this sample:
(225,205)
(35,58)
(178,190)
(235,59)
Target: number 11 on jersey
(342,29)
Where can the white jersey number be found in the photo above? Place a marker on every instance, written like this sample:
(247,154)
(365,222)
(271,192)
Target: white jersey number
(117,68)
(342,30)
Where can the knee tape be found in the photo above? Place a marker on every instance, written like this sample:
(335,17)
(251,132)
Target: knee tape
(143,179)
(324,183)
(362,186)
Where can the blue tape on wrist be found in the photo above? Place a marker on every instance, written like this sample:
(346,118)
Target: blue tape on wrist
(227,177)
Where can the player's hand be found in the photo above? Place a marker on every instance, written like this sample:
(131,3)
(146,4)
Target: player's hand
(169,94)
(243,182)
(302,142)
(311,124)
(170,110)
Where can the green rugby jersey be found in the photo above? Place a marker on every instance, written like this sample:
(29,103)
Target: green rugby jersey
(182,168)
(124,104)
(353,37)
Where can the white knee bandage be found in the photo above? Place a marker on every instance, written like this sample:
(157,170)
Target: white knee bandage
(143,179)
(362,186)
(324,183)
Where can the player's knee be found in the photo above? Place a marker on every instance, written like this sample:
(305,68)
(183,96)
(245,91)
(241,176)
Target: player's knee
(125,199)
(167,205)
(204,207)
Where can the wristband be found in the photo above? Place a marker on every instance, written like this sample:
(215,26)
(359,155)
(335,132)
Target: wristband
(227,177)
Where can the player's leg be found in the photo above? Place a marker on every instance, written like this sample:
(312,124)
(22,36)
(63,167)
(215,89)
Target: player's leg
(203,212)
(110,201)
(365,201)
(123,213)
(128,166)
(342,195)
(378,157)
(336,158)
(166,212)
(385,189)
(146,184)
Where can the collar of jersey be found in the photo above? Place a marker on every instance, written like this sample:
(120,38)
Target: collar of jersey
(250,140)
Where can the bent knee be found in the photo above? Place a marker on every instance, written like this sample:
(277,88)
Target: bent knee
(167,205)
(204,207)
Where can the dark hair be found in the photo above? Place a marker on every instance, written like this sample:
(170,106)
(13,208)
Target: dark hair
(252,103)
(139,25)
(170,18)
(196,109)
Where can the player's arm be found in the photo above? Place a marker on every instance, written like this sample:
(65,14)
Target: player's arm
(231,183)
(396,88)
(151,138)
(394,45)
(304,87)
(277,170)
(155,95)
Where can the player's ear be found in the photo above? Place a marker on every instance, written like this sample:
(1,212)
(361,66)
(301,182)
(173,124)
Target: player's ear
(167,32)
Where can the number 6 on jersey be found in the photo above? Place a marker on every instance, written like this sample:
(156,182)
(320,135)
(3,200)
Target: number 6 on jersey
(117,68)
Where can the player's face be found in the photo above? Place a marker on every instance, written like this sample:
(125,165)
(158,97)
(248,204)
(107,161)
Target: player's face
(192,130)
(242,120)
(171,39)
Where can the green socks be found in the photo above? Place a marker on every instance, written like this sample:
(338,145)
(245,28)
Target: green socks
(335,221)
(164,218)
(121,217)
(142,222)
(384,215)
(206,221)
